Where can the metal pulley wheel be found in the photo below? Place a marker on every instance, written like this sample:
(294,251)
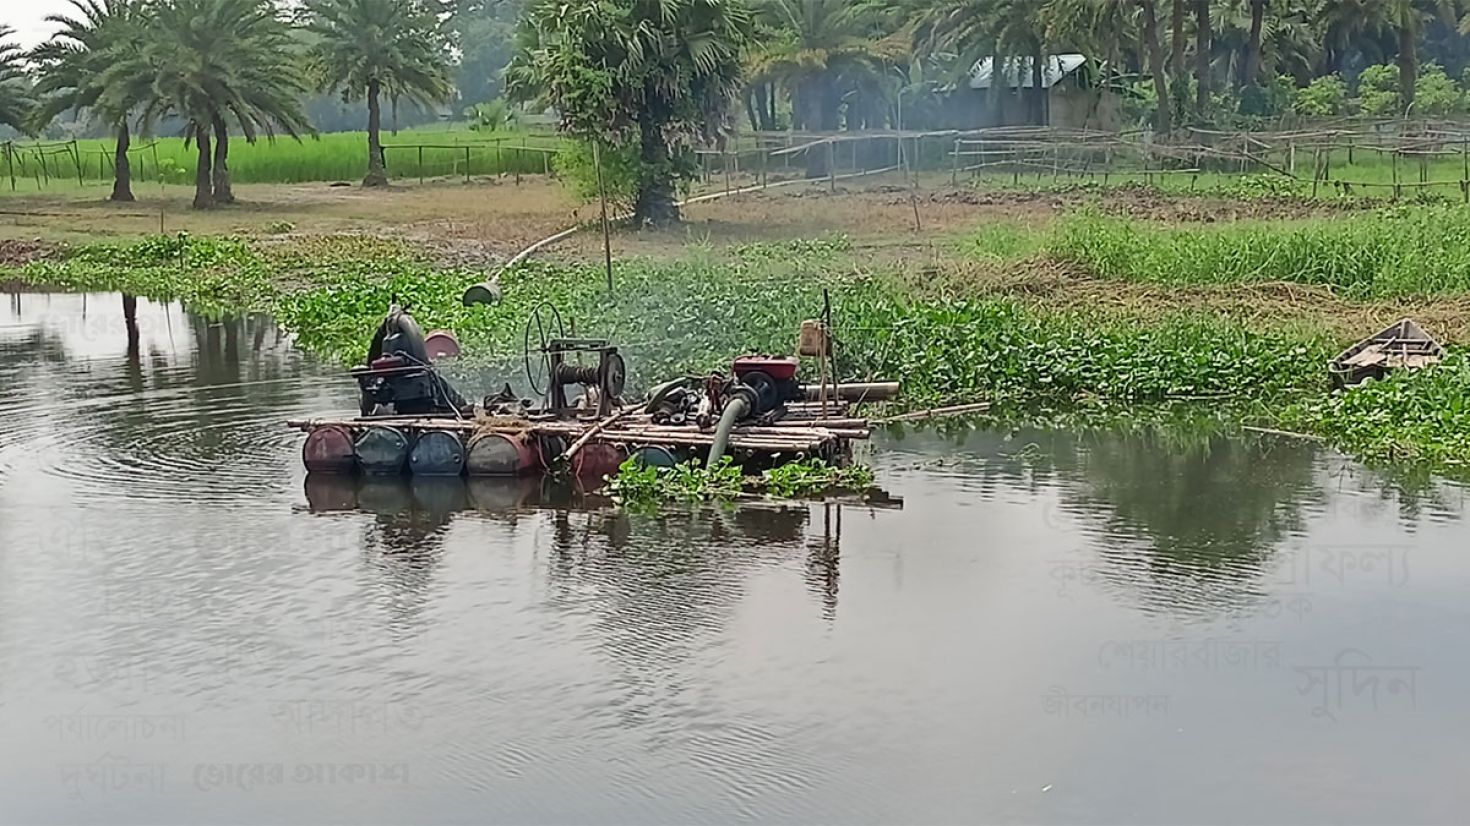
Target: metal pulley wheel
(543,326)
(614,374)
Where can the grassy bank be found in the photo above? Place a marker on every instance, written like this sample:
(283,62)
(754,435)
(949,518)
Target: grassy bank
(1398,251)
(1092,363)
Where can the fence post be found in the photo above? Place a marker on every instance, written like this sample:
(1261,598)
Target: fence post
(516,162)
(10,163)
(725,161)
(76,152)
(832,166)
(421,163)
(765,163)
(157,170)
(954,167)
(1316,170)
(1396,188)
(466,164)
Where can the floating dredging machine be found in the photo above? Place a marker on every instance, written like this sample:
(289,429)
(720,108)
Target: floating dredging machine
(413,421)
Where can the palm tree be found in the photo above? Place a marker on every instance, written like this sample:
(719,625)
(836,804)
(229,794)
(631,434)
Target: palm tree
(1202,34)
(1342,22)
(366,48)
(1176,24)
(823,51)
(15,97)
(74,62)
(1103,29)
(1408,18)
(218,62)
(648,76)
(1253,43)
(1264,37)
(1009,32)
(1150,23)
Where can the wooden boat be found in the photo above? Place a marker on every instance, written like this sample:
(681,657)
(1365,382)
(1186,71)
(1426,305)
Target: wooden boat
(1401,345)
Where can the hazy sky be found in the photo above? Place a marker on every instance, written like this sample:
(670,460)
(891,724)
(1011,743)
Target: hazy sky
(27,17)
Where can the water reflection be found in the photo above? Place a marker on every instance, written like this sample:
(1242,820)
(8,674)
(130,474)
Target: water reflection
(1184,523)
(592,539)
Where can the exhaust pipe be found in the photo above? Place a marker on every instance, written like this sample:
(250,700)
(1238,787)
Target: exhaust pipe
(874,391)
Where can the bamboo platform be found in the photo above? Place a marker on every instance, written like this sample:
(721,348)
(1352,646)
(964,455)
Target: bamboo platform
(806,429)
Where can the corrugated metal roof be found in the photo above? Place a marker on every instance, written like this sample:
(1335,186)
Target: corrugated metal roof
(1017,71)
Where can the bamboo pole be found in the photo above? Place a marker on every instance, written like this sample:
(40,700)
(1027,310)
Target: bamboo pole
(581,442)
(606,227)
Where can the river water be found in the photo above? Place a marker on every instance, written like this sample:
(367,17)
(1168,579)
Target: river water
(1053,627)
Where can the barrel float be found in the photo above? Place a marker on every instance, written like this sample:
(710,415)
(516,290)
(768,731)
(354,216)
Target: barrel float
(382,451)
(437,453)
(439,496)
(503,493)
(596,460)
(329,449)
(654,456)
(502,454)
(330,492)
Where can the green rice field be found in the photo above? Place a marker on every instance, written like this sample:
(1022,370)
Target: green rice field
(411,154)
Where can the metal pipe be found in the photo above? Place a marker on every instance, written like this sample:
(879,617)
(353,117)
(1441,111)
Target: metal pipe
(876,391)
(735,410)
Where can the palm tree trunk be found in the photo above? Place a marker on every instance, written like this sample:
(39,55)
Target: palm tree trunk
(771,106)
(223,194)
(1202,56)
(1408,65)
(1156,61)
(820,99)
(377,175)
(122,176)
(750,113)
(1253,45)
(764,118)
(655,205)
(203,180)
(1038,94)
(1176,22)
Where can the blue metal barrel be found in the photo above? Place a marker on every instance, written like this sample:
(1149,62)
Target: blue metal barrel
(437,453)
(382,451)
(654,456)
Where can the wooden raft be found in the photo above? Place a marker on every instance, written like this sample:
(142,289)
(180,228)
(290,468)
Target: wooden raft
(807,427)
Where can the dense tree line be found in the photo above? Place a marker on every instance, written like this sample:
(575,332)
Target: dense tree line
(644,81)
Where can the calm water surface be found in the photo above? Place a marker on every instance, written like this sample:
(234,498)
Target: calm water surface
(1054,628)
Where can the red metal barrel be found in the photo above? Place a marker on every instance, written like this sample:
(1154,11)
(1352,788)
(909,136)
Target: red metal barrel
(329,449)
(596,460)
(502,454)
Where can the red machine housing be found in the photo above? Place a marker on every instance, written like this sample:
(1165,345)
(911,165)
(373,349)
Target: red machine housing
(780,368)
(772,378)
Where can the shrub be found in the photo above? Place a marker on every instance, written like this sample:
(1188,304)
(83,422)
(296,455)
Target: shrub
(1323,97)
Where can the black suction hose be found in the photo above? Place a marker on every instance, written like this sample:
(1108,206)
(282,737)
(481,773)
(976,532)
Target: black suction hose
(737,407)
